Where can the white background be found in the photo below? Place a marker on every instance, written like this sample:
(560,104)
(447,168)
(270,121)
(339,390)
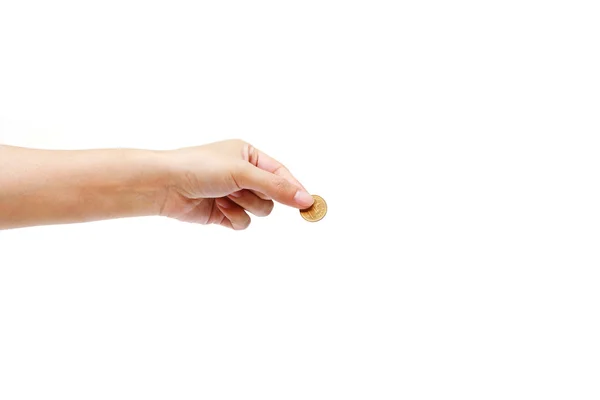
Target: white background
(456,144)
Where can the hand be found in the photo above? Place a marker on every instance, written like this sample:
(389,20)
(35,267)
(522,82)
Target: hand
(219,183)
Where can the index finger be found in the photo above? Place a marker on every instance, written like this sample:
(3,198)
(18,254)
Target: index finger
(269,164)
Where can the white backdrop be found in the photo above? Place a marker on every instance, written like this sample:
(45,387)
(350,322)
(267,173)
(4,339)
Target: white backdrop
(456,144)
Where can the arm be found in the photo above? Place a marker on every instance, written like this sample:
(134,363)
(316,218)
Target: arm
(215,183)
(41,187)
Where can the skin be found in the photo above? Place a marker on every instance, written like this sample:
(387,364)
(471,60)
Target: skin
(218,183)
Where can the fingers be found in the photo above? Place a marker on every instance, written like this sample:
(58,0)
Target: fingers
(265,162)
(235,216)
(269,164)
(261,195)
(275,186)
(251,202)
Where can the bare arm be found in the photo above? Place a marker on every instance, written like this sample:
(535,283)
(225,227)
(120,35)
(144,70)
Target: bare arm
(40,187)
(211,184)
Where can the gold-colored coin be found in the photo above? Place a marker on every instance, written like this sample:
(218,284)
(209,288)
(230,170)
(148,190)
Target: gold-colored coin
(317,211)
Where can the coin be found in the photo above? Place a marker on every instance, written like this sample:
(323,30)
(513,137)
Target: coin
(317,211)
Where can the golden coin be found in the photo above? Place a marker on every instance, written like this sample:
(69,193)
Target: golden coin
(317,211)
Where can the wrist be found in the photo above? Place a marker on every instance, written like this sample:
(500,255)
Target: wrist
(152,180)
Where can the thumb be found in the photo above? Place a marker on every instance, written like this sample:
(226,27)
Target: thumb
(274,186)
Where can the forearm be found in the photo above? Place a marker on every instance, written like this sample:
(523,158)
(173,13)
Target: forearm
(41,187)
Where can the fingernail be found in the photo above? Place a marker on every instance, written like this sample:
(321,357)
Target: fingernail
(303,198)
(236,194)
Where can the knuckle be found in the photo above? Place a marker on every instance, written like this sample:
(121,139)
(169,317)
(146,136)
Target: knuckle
(265,209)
(281,186)
(249,153)
(252,154)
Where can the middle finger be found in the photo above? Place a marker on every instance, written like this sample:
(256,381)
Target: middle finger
(252,203)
